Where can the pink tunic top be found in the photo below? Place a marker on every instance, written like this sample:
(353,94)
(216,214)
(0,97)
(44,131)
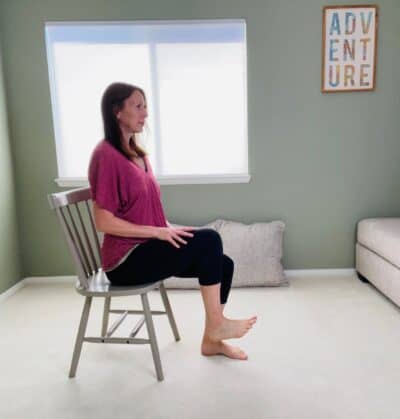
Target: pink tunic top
(122,187)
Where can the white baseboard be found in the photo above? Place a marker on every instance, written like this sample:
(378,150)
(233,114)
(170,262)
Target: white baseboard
(37,280)
(70,279)
(326,273)
(11,291)
(66,279)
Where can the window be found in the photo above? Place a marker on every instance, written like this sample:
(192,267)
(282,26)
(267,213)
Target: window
(194,77)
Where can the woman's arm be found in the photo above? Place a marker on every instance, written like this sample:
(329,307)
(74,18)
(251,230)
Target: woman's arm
(107,222)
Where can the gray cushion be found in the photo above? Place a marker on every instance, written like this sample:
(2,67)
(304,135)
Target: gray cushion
(256,250)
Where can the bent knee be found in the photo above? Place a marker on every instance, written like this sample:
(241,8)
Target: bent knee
(208,240)
(209,235)
(228,263)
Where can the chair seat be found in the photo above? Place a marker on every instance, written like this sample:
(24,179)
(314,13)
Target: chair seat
(100,286)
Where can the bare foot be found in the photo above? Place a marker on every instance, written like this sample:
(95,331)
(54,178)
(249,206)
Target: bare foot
(209,348)
(229,329)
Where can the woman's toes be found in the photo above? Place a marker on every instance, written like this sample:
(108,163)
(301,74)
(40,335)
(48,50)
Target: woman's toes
(234,352)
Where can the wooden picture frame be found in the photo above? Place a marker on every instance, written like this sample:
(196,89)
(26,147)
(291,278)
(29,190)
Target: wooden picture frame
(349,48)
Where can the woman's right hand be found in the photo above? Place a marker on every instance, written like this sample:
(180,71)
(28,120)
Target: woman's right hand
(170,234)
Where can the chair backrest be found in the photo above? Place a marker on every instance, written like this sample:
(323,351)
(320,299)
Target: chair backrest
(75,216)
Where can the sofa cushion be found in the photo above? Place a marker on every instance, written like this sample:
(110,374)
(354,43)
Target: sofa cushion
(256,250)
(382,236)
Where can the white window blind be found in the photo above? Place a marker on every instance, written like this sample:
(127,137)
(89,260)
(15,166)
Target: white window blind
(194,77)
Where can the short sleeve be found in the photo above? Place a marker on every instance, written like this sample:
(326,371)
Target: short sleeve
(104,181)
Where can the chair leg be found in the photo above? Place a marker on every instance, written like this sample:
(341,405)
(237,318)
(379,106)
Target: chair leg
(168,309)
(106,312)
(152,336)
(80,336)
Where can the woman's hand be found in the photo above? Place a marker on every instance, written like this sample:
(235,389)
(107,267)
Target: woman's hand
(170,234)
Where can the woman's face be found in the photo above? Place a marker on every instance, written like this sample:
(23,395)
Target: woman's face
(133,113)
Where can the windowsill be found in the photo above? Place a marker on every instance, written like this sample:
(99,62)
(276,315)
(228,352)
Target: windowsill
(166,180)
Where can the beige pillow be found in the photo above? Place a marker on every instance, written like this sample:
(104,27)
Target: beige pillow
(256,250)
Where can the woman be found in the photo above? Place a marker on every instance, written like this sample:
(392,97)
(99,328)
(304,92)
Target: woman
(140,246)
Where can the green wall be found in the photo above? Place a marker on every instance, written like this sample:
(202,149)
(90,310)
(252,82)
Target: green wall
(320,162)
(10,260)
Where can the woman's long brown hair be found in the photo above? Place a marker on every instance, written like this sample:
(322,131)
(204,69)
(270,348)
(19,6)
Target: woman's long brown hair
(111,102)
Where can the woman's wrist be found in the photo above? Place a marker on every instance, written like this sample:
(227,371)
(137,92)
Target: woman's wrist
(155,231)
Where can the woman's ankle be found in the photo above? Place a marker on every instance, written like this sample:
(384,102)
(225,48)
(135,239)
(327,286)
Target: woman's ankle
(214,322)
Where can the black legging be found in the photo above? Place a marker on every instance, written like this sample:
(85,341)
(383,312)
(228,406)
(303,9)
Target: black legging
(155,259)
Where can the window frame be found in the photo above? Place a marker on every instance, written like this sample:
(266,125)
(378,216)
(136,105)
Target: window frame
(162,179)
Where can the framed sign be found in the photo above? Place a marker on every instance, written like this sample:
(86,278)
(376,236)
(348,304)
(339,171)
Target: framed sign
(349,37)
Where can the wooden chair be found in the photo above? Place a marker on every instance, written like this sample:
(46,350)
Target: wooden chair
(74,212)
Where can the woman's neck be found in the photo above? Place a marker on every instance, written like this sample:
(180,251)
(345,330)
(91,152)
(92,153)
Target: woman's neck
(126,136)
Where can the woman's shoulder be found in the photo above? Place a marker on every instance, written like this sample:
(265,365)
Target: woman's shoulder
(104,158)
(105,150)
(105,146)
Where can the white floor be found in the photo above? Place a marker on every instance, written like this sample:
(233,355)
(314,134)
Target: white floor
(322,348)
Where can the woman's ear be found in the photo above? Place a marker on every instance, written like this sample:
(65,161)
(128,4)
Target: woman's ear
(116,112)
